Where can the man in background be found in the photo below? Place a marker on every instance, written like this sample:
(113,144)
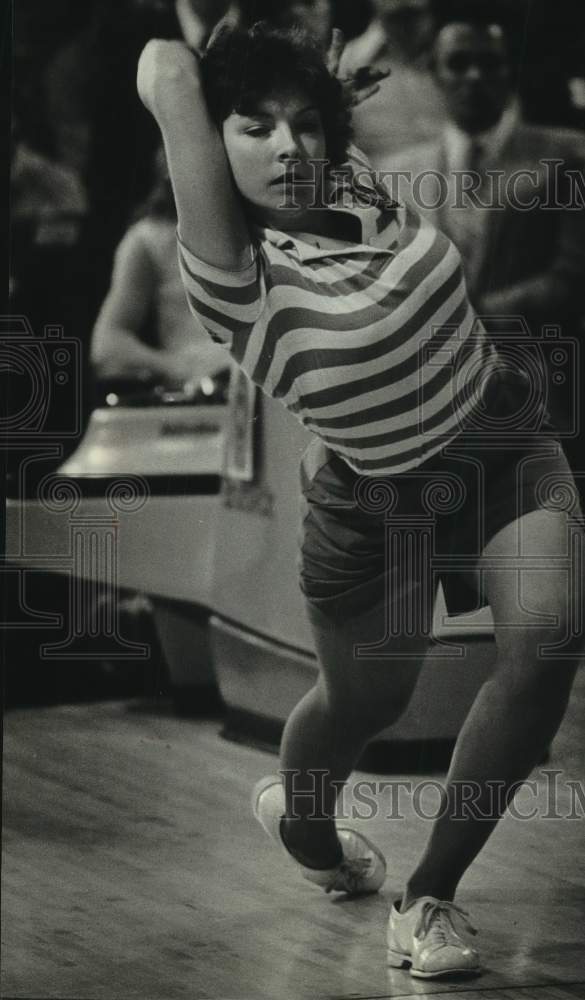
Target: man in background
(510,196)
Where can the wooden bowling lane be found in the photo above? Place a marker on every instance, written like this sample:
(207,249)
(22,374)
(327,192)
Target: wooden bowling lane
(133,870)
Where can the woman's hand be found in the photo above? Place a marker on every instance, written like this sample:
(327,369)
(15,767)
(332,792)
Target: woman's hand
(167,72)
(363,83)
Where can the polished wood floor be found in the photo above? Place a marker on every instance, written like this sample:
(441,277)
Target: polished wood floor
(133,870)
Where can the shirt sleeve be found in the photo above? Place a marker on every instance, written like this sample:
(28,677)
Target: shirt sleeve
(227,303)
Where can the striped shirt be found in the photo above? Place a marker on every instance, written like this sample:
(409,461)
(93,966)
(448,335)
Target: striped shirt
(373,346)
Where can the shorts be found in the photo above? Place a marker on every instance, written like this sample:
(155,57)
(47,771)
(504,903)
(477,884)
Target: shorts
(366,538)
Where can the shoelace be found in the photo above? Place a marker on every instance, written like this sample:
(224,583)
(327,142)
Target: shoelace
(436,921)
(349,875)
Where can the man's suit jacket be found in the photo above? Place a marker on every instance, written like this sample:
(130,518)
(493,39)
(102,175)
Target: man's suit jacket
(531,262)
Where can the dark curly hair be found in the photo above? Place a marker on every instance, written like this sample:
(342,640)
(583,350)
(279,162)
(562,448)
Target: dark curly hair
(243,67)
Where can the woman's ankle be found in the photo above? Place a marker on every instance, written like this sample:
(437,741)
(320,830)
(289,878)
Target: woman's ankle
(313,843)
(430,887)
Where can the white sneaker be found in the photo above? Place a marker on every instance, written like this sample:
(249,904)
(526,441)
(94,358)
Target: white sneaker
(424,937)
(363,868)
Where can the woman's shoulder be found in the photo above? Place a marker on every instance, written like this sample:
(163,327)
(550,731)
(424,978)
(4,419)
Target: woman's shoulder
(152,229)
(153,236)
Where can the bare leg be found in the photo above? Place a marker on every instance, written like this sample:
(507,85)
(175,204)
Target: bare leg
(352,701)
(518,711)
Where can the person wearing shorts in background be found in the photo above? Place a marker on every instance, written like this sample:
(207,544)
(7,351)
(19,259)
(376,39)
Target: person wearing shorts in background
(353,311)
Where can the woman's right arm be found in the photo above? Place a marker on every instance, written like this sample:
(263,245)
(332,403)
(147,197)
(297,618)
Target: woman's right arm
(211,219)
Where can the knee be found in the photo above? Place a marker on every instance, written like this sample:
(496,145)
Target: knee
(363,714)
(562,637)
(541,660)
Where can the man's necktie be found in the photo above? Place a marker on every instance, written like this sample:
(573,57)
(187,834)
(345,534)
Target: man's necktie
(467,218)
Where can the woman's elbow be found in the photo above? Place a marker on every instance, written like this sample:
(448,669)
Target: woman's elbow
(102,352)
(98,360)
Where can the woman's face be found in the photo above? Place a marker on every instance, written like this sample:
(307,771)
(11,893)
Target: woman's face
(270,153)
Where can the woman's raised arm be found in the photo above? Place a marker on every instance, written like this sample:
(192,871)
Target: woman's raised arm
(211,219)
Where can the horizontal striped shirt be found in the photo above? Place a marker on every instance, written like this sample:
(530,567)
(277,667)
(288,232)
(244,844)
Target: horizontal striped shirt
(373,346)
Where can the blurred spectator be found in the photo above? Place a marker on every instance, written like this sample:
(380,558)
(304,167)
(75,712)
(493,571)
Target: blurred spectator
(353,17)
(577,94)
(196,18)
(409,108)
(39,30)
(316,16)
(519,228)
(48,210)
(551,54)
(145,333)
(98,118)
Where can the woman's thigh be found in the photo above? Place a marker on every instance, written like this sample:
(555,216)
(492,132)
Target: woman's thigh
(532,572)
(363,663)
(370,604)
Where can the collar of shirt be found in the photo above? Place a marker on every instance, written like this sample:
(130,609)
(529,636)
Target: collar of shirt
(493,140)
(359,196)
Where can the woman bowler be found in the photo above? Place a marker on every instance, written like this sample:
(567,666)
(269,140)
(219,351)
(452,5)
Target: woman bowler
(354,312)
